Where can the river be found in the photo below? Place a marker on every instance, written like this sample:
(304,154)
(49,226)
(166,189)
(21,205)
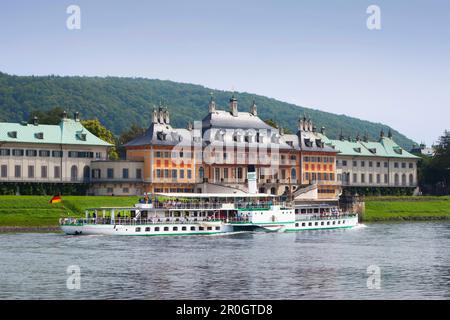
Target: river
(413,260)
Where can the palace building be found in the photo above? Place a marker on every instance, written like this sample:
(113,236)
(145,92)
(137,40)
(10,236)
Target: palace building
(221,151)
(48,154)
(379,164)
(227,151)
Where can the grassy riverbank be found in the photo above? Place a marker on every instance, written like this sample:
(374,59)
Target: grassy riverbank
(407,208)
(35,212)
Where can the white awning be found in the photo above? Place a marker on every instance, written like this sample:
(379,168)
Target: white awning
(214,195)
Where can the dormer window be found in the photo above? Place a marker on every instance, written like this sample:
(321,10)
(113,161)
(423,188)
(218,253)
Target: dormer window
(161,136)
(398,150)
(39,135)
(373,150)
(12,134)
(237,137)
(319,143)
(308,142)
(358,150)
(81,136)
(220,135)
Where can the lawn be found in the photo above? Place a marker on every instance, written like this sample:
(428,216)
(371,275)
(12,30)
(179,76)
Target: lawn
(36,211)
(407,208)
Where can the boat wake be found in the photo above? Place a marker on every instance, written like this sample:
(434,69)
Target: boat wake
(359,226)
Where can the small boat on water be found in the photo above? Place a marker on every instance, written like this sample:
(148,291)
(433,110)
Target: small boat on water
(206,214)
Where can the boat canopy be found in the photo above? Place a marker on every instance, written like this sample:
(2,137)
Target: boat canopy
(215,195)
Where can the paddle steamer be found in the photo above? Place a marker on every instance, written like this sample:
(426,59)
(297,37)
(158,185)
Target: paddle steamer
(206,214)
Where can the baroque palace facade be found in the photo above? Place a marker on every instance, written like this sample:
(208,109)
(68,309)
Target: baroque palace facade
(226,145)
(217,154)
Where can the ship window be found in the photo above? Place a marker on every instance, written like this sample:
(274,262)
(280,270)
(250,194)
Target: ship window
(343,221)
(339,222)
(183,228)
(310,224)
(201,228)
(334,222)
(192,228)
(217,228)
(296,224)
(328,223)
(316,224)
(303,224)
(156,228)
(138,229)
(175,229)
(209,228)
(322,223)
(147,229)
(166,228)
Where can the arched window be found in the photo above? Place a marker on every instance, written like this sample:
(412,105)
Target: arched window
(293,174)
(411,179)
(86,173)
(201,173)
(74,173)
(403,179)
(396,180)
(272,190)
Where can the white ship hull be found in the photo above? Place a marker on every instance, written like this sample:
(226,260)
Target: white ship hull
(206,228)
(344,222)
(146,230)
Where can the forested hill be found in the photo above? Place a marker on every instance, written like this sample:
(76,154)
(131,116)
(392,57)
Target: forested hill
(120,102)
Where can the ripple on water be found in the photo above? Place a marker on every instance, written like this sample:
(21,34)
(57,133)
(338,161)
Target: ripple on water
(413,258)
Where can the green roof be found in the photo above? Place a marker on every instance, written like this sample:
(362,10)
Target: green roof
(386,147)
(68,131)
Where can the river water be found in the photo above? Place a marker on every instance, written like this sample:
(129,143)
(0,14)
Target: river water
(413,260)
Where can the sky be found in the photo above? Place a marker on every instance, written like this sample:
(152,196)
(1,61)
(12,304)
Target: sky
(318,54)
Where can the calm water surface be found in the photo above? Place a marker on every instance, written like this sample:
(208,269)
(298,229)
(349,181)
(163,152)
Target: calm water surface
(414,259)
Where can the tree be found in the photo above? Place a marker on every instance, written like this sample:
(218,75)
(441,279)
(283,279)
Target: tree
(134,132)
(434,173)
(97,129)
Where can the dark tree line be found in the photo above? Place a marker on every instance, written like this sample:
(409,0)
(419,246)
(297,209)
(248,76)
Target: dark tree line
(434,172)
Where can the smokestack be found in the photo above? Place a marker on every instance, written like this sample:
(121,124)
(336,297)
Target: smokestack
(251,178)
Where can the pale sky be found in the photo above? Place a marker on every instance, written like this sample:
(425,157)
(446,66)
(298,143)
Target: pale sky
(317,54)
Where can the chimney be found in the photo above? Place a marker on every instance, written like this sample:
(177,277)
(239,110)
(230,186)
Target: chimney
(233,106)
(64,115)
(166,116)
(381,133)
(160,115)
(76,116)
(212,104)
(322,130)
(35,120)
(390,134)
(300,124)
(154,116)
(253,109)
